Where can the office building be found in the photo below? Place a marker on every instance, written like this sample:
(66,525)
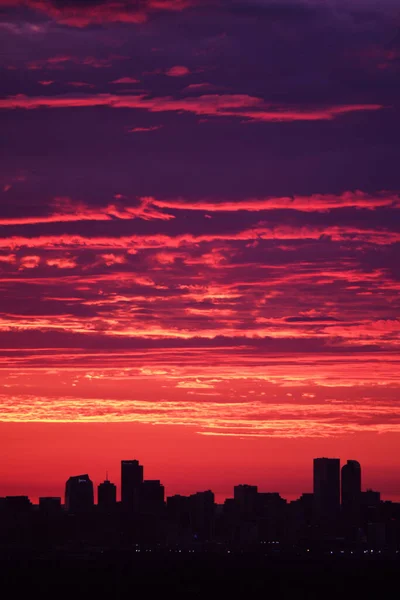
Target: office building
(107,495)
(50,505)
(351,492)
(202,514)
(245,497)
(79,494)
(17,504)
(326,490)
(151,494)
(131,480)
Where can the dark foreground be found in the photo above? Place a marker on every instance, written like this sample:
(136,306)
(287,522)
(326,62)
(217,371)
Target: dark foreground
(200,576)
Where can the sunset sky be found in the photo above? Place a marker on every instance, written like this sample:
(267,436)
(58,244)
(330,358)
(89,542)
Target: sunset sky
(199,241)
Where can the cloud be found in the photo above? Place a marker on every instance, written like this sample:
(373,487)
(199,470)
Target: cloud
(90,12)
(8,258)
(66,210)
(113,259)
(239,106)
(156,240)
(313,203)
(80,84)
(29,262)
(144,129)
(127,80)
(58,62)
(177,71)
(196,87)
(62,262)
(242,419)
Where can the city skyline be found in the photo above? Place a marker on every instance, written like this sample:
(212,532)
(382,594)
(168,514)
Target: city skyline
(343,481)
(199,241)
(337,515)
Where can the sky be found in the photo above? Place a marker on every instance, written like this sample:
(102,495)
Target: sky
(199,241)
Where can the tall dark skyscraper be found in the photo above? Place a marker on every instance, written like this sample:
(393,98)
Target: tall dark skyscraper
(79,493)
(202,512)
(326,490)
(131,480)
(107,495)
(351,491)
(151,497)
(245,497)
(50,505)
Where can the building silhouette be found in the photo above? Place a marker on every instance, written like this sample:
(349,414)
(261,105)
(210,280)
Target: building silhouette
(17,504)
(131,480)
(79,494)
(202,514)
(245,497)
(50,505)
(107,495)
(351,492)
(326,490)
(259,521)
(151,497)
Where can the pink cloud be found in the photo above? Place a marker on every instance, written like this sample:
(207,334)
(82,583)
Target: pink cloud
(62,263)
(177,71)
(195,87)
(229,105)
(82,14)
(113,259)
(8,258)
(58,62)
(29,262)
(133,242)
(66,210)
(80,84)
(144,129)
(122,80)
(241,418)
(313,203)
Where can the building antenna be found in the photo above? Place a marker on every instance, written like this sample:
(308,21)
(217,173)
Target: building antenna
(106,475)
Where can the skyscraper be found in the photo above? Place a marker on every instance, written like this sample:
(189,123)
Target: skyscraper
(151,497)
(131,480)
(106,495)
(351,492)
(50,505)
(245,497)
(202,514)
(326,490)
(79,494)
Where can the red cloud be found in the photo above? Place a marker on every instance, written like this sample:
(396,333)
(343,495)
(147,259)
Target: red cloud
(195,87)
(134,242)
(57,62)
(177,71)
(8,258)
(143,129)
(29,262)
(228,105)
(68,211)
(80,84)
(113,259)
(62,263)
(122,80)
(82,14)
(243,418)
(313,203)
